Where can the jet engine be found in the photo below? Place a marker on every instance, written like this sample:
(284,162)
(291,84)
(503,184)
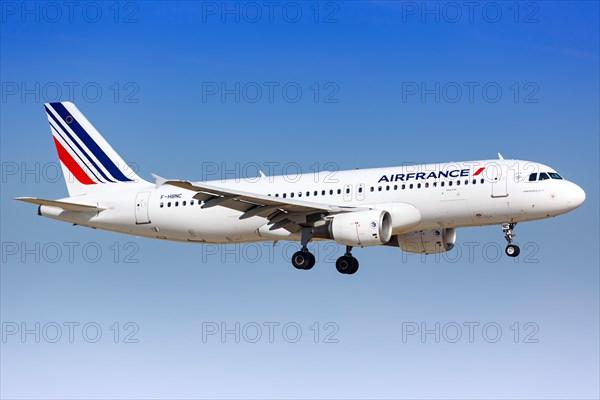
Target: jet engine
(427,242)
(360,228)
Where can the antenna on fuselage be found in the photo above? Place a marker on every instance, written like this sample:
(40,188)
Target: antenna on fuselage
(500,156)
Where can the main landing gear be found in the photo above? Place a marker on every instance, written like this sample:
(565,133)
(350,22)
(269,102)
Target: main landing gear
(305,260)
(512,250)
(347,264)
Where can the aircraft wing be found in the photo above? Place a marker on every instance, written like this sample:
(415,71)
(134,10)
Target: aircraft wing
(61,204)
(281,212)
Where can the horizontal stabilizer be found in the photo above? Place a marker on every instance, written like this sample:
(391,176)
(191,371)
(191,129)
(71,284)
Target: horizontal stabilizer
(83,208)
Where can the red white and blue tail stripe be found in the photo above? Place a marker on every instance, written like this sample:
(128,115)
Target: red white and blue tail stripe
(86,157)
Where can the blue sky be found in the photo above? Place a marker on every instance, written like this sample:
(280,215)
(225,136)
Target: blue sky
(185,89)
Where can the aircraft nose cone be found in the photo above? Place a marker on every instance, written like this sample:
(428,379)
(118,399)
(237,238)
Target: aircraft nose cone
(576,196)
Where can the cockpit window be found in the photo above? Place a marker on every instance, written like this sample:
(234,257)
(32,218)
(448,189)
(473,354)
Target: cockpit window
(543,176)
(533,177)
(554,175)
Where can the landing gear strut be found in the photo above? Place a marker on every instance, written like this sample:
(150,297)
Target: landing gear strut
(512,250)
(304,259)
(347,264)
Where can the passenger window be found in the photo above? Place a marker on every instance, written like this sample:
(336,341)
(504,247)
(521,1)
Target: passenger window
(192,202)
(482,180)
(162,205)
(360,189)
(395,187)
(307,193)
(322,193)
(466,181)
(543,176)
(331,192)
(339,191)
(372,188)
(347,190)
(418,186)
(403,186)
(426,184)
(411,186)
(387,187)
(442,184)
(169,204)
(457,183)
(184,203)
(450,183)
(379,188)
(292,194)
(176,204)
(474,181)
(284,195)
(533,177)
(434,184)
(316,193)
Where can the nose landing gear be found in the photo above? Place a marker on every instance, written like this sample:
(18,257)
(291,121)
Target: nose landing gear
(512,250)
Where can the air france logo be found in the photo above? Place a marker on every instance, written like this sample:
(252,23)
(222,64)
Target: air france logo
(456,173)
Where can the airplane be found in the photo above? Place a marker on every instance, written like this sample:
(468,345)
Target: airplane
(417,208)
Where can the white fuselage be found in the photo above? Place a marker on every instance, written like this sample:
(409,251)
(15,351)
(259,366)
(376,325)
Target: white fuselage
(455,198)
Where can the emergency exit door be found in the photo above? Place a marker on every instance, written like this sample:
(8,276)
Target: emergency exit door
(141,208)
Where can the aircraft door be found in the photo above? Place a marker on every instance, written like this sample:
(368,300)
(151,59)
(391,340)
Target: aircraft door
(141,208)
(499,177)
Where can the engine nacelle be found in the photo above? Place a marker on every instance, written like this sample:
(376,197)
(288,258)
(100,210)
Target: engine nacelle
(361,228)
(427,242)
(404,216)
